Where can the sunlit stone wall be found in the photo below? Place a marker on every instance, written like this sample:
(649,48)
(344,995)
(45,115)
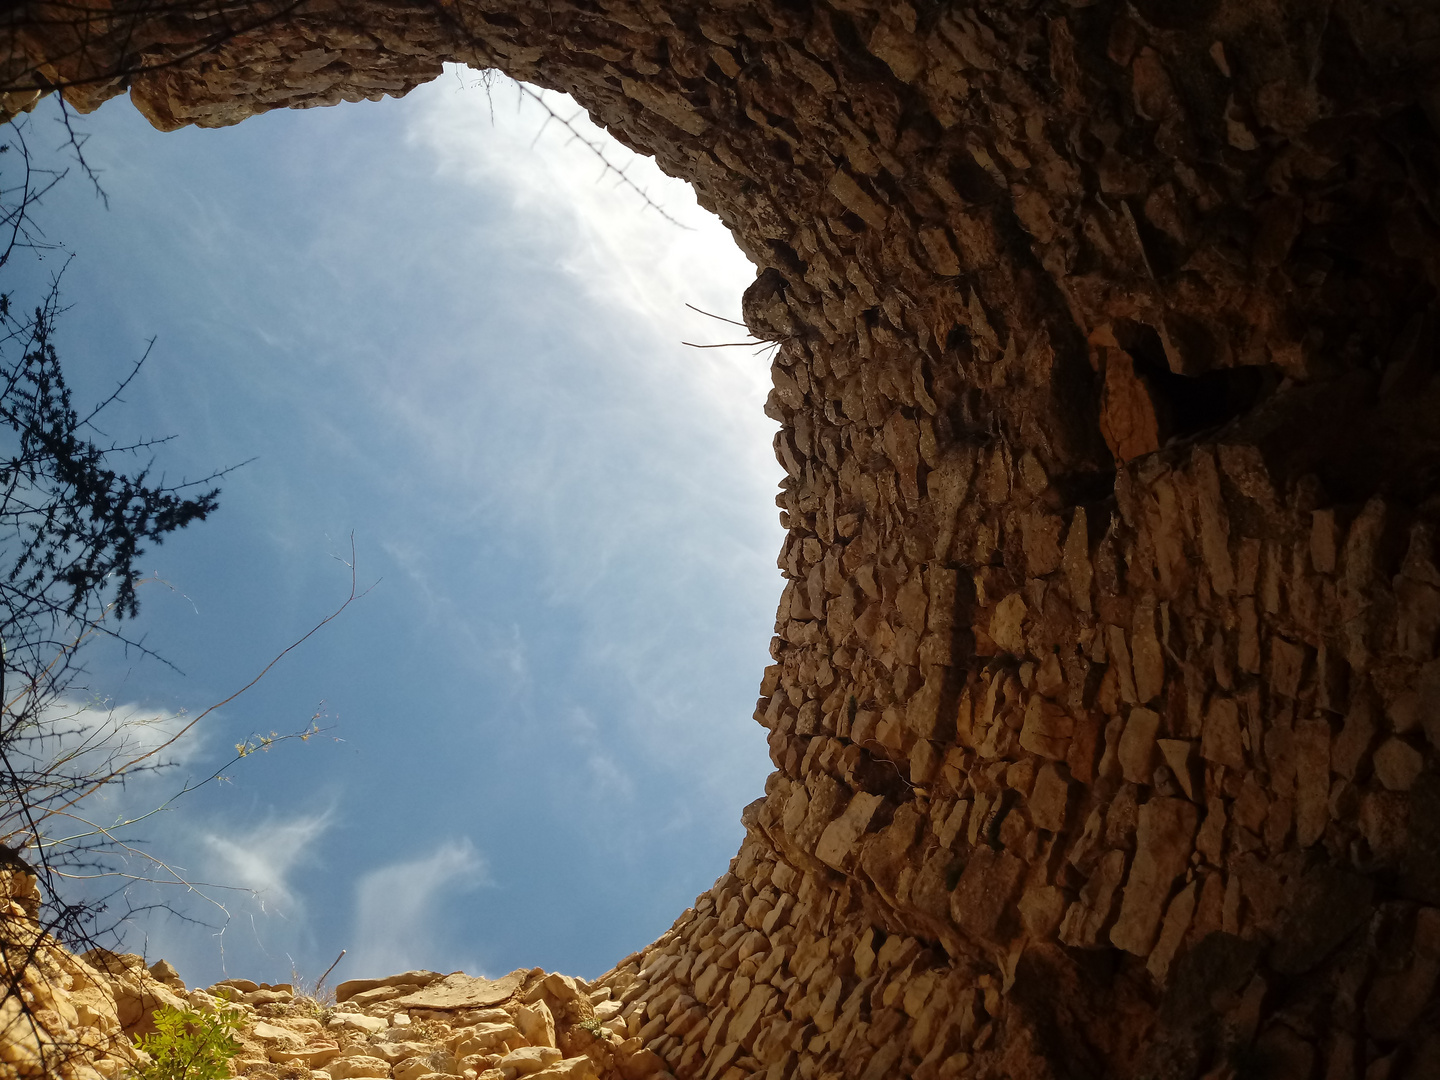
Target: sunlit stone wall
(1105,700)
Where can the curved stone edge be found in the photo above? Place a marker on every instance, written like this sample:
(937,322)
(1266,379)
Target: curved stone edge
(1105,660)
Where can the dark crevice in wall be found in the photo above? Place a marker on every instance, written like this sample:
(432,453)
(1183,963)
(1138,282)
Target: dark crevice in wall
(1187,405)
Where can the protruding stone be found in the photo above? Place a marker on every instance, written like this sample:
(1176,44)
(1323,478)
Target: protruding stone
(839,842)
(1005,626)
(1221,741)
(1163,844)
(1047,729)
(1397,764)
(1137,745)
(1179,755)
(1050,797)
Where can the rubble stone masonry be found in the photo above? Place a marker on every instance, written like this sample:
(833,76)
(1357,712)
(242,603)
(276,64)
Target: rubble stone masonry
(1105,701)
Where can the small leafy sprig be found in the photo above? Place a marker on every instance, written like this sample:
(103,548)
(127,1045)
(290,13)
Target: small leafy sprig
(190,1045)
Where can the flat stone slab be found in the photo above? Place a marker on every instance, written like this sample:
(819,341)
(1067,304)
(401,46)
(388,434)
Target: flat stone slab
(460,991)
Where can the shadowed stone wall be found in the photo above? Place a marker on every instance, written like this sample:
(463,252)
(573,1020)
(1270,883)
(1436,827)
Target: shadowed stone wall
(1105,704)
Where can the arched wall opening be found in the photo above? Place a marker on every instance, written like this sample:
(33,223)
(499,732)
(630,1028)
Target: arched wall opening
(1101,749)
(466,351)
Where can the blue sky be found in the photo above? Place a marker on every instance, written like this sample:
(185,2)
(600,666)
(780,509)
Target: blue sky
(466,350)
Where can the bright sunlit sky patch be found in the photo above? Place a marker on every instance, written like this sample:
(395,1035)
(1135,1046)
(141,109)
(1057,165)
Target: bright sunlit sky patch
(466,350)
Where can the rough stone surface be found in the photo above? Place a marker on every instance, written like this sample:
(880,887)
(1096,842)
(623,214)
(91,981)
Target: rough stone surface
(1105,690)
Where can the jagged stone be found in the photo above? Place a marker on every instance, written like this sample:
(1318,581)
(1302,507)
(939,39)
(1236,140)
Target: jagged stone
(1101,329)
(460,991)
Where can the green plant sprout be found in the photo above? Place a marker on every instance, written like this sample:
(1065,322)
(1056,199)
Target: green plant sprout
(190,1045)
(596,1027)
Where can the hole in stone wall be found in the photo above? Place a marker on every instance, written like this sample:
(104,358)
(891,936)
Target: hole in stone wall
(574,526)
(1187,405)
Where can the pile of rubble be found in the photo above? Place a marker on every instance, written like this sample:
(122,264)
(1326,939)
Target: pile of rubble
(78,1018)
(1105,707)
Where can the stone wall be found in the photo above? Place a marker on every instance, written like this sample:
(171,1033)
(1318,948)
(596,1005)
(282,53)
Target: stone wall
(1105,704)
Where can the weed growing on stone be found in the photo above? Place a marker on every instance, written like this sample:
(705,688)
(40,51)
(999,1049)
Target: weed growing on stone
(596,1027)
(190,1045)
(316,1001)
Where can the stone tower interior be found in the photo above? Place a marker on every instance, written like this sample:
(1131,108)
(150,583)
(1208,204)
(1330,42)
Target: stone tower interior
(1105,703)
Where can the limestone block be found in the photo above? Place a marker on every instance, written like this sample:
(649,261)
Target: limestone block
(527,1060)
(1417,619)
(1164,841)
(1329,904)
(1427,691)
(922,714)
(364,999)
(348,989)
(925,762)
(1147,660)
(826,799)
(954,823)
(1006,624)
(561,987)
(413,1068)
(982,899)
(571,1068)
(745,1022)
(486,1038)
(1076,561)
(269,996)
(356,1066)
(536,1023)
(398,1051)
(1251,806)
(246,986)
(1041,910)
(1287,666)
(1214,523)
(1397,764)
(1128,419)
(1324,541)
(1179,755)
(855,198)
(1119,653)
(605,1010)
(164,971)
(1178,916)
(1247,654)
(1050,797)
(1221,741)
(1040,539)
(940,252)
(1088,917)
(370,1025)
(1047,729)
(315,1055)
(1137,746)
(1396,999)
(1210,841)
(272,1033)
(137,996)
(667,104)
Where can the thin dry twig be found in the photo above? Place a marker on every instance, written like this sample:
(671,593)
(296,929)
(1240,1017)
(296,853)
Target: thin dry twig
(722,318)
(596,147)
(121,770)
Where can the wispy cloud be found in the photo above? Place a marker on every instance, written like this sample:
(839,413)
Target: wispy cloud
(637,269)
(611,784)
(263,857)
(639,252)
(103,763)
(395,905)
(88,730)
